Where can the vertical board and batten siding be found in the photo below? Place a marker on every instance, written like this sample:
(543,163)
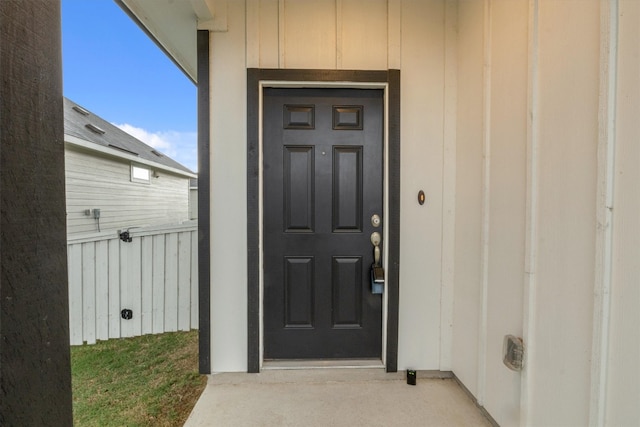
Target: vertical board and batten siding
(332,34)
(155,276)
(526,172)
(506,178)
(309,43)
(491,172)
(623,382)
(94,182)
(422,120)
(325,34)
(469,173)
(568,76)
(530,181)
(228,166)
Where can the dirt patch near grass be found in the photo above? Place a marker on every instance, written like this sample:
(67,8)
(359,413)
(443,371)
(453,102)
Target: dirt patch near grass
(144,381)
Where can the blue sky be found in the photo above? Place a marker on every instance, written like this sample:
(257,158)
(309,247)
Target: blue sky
(114,70)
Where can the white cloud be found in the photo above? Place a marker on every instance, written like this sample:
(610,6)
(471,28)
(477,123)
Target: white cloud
(180,146)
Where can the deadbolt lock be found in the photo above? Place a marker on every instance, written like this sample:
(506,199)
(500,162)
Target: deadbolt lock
(375,220)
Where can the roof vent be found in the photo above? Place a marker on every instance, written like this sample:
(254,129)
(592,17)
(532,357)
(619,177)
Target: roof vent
(94,128)
(80,110)
(157,153)
(123,149)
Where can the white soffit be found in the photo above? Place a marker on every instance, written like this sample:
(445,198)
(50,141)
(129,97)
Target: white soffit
(173,24)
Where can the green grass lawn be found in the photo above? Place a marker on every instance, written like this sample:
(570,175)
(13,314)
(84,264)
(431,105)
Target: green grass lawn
(142,381)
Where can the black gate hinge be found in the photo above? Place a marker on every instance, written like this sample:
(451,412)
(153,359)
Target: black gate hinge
(126,237)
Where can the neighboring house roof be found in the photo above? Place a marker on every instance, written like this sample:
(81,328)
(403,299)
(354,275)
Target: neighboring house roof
(193,183)
(81,124)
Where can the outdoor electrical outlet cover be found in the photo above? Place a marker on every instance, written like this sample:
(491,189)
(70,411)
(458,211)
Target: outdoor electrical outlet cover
(513,351)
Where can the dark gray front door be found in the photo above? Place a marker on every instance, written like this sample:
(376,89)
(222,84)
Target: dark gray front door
(323,174)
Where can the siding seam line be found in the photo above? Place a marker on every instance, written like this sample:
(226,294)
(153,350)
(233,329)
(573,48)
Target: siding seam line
(447,266)
(486,200)
(531,244)
(604,206)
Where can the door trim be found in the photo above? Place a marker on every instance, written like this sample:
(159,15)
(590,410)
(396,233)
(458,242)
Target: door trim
(388,80)
(204,211)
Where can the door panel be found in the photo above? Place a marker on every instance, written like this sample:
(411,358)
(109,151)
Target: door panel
(347,296)
(299,188)
(347,189)
(299,292)
(323,179)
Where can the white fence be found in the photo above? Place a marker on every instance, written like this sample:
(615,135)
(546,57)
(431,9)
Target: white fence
(155,276)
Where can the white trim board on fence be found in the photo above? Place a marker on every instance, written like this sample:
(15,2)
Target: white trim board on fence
(155,275)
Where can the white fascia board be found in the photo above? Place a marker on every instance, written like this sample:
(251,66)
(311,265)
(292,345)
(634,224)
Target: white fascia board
(204,9)
(212,14)
(112,152)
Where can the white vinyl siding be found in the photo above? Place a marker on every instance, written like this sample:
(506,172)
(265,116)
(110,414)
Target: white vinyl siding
(94,182)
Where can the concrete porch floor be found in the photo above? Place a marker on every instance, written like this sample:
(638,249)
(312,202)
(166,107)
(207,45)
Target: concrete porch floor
(332,397)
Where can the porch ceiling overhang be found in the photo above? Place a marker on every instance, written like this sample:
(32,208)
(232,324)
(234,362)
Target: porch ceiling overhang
(173,25)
